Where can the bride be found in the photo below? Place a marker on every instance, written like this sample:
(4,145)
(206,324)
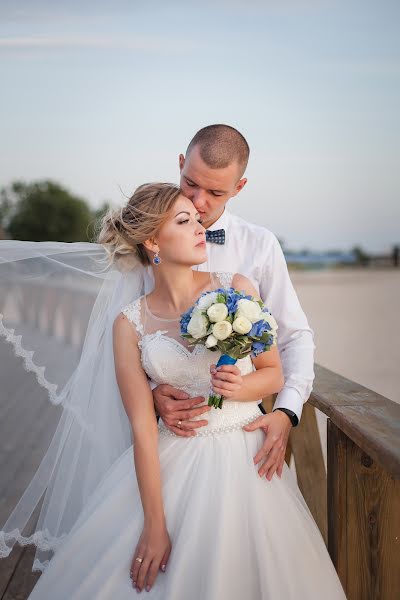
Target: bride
(184,517)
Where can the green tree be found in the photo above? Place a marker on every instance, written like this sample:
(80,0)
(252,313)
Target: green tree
(43,211)
(95,222)
(362,257)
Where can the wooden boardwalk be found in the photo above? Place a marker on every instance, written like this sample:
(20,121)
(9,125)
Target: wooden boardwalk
(32,420)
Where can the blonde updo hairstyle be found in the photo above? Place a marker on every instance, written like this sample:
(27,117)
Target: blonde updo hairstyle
(123,231)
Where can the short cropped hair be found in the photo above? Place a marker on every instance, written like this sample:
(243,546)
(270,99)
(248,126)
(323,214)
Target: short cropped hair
(221,145)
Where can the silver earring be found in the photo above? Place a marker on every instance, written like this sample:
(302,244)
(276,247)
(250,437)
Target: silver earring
(156,259)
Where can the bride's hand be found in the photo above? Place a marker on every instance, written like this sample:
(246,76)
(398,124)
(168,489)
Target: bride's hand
(226,380)
(154,547)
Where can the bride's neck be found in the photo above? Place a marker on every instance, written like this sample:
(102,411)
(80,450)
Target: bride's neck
(175,286)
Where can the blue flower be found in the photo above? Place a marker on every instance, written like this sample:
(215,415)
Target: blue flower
(257,348)
(184,322)
(259,327)
(232,301)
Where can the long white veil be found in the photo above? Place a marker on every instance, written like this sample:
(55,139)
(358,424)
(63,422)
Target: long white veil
(57,305)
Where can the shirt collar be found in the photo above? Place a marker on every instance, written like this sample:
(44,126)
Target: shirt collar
(222,222)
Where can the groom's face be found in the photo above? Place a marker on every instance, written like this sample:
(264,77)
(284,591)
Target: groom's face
(209,189)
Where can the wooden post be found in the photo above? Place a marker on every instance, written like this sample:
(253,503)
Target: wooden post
(363,521)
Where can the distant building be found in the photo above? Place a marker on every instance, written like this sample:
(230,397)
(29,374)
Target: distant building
(320,260)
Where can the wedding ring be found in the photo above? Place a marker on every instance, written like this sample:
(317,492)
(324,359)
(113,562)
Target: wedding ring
(179,424)
(139,559)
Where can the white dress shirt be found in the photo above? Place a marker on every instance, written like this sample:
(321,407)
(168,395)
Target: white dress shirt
(255,252)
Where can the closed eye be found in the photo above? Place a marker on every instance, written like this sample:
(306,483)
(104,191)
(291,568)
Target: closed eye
(188,220)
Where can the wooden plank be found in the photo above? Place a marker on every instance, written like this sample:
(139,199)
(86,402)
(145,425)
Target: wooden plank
(336,499)
(331,389)
(24,579)
(373,429)
(373,528)
(27,425)
(11,584)
(363,521)
(369,419)
(310,467)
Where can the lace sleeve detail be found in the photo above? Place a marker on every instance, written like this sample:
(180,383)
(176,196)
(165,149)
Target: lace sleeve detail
(132,313)
(225,278)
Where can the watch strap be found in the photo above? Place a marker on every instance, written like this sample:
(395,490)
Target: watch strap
(292,415)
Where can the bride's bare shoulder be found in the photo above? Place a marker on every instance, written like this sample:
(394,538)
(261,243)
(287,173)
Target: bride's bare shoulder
(243,284)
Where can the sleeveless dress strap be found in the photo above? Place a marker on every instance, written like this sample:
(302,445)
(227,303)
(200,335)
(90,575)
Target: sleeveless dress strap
(132,313)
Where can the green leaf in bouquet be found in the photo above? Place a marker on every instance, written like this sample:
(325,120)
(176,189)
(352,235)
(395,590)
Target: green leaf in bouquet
(242,340)
(188,337)
(265,337)
(221,298)
(226,346)
(223,346)
(236,353)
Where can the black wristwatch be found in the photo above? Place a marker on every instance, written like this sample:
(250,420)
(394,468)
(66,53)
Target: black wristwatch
(292,416)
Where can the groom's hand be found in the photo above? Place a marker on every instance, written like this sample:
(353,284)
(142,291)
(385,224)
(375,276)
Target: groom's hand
(174,405)
(271,456)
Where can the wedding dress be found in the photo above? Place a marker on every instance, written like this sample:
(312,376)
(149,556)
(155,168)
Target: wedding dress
(234,535)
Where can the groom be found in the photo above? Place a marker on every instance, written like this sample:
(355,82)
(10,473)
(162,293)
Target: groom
(211,173)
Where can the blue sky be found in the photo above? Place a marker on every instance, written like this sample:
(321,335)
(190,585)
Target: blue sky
(103,96)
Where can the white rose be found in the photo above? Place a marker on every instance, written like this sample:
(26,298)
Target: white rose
(211,341)
(242,325)
(197,326)
(206,301)
(249,309)
(222,330)
(270,319)
(217,312)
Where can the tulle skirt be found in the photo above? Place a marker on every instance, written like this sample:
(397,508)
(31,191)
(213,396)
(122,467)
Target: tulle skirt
(234,535)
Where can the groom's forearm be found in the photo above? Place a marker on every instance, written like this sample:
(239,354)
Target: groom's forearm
(297,359)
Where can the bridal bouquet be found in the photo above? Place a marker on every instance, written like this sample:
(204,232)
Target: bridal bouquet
(229,321)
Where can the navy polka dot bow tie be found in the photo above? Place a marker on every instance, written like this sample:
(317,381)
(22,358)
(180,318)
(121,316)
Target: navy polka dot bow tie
(217,236)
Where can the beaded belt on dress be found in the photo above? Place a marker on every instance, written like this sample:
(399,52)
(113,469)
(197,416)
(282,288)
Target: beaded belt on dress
(207,430)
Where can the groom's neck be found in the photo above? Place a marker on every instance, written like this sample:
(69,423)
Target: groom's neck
(214,219)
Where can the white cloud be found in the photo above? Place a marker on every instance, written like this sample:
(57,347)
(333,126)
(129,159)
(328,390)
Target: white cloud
(134,42)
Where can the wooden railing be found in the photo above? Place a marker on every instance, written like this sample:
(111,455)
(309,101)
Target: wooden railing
(356,500)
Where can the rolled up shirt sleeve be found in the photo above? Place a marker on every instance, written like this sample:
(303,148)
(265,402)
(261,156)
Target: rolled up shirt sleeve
(295,336)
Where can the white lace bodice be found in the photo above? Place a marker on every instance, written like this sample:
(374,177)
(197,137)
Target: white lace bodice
(167,359)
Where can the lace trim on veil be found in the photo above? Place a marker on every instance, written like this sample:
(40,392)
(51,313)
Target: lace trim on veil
(30,366)
(42,539)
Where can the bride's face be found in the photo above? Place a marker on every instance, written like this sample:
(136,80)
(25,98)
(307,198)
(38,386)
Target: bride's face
(182,237)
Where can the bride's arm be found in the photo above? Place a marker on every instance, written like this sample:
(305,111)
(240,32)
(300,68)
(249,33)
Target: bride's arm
(154,545)
(138,403)
(265,380)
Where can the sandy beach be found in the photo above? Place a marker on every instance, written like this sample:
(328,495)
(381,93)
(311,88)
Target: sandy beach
(355,317)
